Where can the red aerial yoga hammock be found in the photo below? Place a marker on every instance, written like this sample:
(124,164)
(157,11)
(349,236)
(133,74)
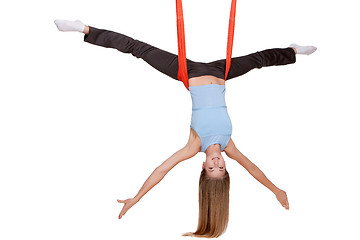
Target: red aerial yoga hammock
(182,73)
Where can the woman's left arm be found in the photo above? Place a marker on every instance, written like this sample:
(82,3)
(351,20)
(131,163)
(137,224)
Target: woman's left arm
(233,153)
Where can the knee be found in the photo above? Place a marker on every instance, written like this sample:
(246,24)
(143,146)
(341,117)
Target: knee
(140,49)
(259,60)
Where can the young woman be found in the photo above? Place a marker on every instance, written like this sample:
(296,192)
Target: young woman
(210,130)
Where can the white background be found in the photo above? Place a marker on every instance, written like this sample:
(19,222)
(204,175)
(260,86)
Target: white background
(82,126)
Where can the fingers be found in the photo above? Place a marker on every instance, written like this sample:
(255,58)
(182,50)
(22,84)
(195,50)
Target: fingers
(285,204)
(122,213)
(124,210)
(282,198)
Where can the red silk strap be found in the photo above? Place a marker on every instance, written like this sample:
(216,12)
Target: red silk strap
(182,73)
(230,37)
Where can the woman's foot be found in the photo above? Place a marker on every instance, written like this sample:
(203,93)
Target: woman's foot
(307,50)
(70,26)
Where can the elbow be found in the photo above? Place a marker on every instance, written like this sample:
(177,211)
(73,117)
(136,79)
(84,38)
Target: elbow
(161,170)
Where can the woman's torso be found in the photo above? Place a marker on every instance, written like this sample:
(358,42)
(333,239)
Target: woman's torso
(210,120)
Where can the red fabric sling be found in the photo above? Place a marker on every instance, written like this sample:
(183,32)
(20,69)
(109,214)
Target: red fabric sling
(182,73)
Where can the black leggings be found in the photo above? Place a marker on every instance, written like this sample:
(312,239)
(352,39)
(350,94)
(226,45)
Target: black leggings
(167,63)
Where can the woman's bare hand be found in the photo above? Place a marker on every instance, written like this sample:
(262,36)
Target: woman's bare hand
(128,203)
(282,198)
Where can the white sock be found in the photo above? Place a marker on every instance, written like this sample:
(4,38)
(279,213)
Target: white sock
(303,49)
(66,26)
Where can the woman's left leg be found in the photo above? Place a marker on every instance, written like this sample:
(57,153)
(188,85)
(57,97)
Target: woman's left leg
(270,57)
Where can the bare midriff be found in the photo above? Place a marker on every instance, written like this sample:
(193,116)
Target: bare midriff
(205,80)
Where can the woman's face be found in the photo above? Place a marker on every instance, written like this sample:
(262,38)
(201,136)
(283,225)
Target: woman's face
(214,166)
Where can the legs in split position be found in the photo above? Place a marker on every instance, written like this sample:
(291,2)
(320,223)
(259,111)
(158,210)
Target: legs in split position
(167,63)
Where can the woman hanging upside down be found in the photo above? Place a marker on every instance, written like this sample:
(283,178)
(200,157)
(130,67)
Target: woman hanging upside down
(211,128)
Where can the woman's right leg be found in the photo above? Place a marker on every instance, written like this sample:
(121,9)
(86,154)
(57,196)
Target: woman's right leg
(161,60)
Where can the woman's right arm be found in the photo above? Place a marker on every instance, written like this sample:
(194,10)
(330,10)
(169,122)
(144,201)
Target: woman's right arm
(159,173)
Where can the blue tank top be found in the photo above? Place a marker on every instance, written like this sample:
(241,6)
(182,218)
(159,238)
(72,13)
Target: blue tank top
(210,119)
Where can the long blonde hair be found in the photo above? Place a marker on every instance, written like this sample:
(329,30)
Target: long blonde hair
(213,206)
